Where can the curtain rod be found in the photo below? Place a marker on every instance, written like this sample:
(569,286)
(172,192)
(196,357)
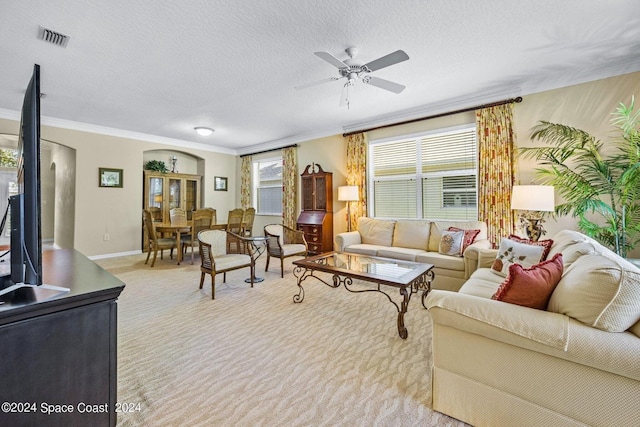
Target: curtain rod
(435,116)
(267,151)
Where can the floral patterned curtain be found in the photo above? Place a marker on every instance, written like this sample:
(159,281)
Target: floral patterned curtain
(357,174)
(496,170)
(245,182)
(289,186)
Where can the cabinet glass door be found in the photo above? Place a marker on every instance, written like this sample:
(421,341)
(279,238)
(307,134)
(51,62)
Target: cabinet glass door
(175,193)
(191,199)
(156,201)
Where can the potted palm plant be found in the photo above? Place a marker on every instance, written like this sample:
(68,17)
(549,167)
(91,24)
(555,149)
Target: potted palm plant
(593,177)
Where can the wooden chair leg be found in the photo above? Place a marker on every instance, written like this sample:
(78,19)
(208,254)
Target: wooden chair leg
(155,254)
(148,254)
(266,268)
(281,267)
(201,279)
(213,286)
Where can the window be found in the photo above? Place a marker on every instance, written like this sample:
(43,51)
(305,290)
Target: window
(267,186)
(431,175)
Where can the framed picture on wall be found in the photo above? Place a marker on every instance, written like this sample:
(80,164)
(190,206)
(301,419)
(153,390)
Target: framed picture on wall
(110,177)
(220,183)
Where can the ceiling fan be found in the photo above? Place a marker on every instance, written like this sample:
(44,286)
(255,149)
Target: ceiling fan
(353,69)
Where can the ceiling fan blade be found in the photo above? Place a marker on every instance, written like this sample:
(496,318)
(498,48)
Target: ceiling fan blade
(331,59)
(318,82)
(383,84)
(387,60)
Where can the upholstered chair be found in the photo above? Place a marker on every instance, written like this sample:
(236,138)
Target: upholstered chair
(216,257)
(283,242)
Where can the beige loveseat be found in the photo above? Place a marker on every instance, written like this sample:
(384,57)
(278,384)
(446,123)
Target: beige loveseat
(500,364)
(417,240)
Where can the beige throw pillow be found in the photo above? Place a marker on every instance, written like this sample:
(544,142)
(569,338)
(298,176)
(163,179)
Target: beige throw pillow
(451,243)
(599,292)
(413,234)
(511,252)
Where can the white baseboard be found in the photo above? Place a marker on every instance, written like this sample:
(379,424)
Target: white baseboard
(114,255)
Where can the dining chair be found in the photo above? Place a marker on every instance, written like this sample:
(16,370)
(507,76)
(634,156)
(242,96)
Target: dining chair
(234,223)
(202,219)
(178,216)
(216,257)
(155,243)
(283,242)
(247,221)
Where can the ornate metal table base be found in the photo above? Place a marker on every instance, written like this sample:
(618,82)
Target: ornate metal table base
(421,283)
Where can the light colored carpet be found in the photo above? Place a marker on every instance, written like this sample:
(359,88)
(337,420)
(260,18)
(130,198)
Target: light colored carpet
(252,357)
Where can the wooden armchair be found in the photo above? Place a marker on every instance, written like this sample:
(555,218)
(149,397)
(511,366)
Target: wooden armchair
(216,258)
(155,243)
(283,242)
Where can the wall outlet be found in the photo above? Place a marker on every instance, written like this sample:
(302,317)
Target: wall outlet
(106,237)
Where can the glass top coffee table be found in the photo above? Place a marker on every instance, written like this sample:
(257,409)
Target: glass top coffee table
(408,277)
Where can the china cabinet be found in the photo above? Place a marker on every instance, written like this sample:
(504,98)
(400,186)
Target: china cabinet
(165,191)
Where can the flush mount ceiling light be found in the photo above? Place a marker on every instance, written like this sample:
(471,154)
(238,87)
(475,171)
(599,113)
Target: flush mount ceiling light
(203,131)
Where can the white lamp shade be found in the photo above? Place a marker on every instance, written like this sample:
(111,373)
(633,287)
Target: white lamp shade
(348,193)
(533,198)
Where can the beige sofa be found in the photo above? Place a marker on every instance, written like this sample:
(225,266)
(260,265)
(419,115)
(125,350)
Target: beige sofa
(417,240)
(500,364)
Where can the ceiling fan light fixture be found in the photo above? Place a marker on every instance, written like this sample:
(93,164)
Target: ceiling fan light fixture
(203,131)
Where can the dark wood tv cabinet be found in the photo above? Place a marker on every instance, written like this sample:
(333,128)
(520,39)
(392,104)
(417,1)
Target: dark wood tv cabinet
(58,357)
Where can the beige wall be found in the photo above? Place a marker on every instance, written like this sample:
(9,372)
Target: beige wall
(118,211)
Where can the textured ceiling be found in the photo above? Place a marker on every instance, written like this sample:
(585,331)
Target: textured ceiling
(158,68)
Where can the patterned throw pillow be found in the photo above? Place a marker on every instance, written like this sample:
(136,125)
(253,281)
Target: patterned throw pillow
(469,236)
(451,243)
(546,244)
(511,252)
(531,287)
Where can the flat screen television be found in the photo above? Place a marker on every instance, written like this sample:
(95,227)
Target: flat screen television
(24,284)
(26,240)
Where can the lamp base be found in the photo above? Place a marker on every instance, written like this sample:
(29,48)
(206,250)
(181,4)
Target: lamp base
(534,228)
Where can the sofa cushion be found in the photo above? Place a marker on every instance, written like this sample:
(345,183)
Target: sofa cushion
(364,249)
(546,244)
(511,252)
(376,231)
(406,254)
(563,239)
(469,236)
(600,292)
(437,227)
(446,262)
(531,287)
(635,329)
(412,234)
(451,243)
(482,283)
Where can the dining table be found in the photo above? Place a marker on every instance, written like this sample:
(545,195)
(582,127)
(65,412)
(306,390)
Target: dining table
(178,231)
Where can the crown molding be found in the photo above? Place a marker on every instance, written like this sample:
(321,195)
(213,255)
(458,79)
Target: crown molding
(120,133)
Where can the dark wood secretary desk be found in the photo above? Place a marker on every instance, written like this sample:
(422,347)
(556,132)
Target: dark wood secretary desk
(316,218)
(61,351)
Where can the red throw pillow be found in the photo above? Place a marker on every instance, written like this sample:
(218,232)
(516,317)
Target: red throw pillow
(544,243)
(469,237)
(531,287)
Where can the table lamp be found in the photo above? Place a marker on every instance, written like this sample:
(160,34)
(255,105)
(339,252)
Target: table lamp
(534,201)
(348,193)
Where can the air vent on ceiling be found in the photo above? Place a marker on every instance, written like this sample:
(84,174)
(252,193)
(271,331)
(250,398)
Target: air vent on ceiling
(53,37)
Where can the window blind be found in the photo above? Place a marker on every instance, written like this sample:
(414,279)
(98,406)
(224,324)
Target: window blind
(429,176)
